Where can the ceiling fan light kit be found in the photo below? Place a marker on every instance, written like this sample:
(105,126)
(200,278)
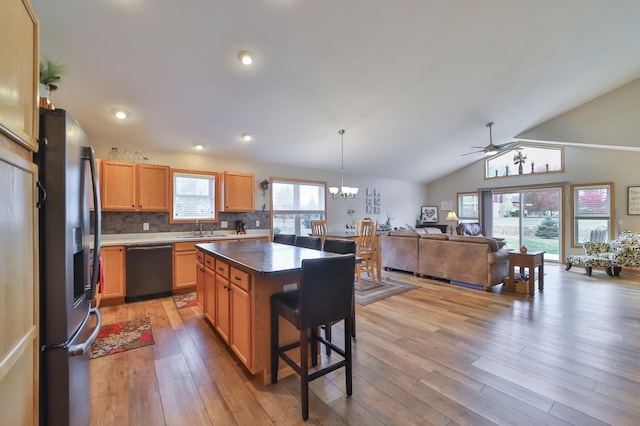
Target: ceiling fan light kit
(491,149)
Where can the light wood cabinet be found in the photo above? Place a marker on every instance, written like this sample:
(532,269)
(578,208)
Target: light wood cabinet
(210,295)
(240,311)
(113,258)
(19,303)
(237,192)
(19,73)
(200,296)
(130,186)
(184,257)
(233,310)
(19,279)
(222,323)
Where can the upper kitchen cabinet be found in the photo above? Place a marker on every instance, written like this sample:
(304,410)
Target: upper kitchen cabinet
(137,187)
(237,192)
(19,72)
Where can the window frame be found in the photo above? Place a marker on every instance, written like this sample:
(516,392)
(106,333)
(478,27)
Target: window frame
(576,217)
(216,195)
(513,172)
(459,209)
(321,214)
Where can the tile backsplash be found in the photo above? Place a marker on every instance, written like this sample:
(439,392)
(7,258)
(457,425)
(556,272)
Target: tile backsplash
(131,222)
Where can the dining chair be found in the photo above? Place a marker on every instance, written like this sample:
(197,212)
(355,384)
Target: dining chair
(366,250)
(323,296)
(309,242)
(285,239)
(319,228)
(341,247)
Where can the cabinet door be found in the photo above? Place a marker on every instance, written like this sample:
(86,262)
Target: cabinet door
(222,307)
(210,295)
(200,288)
(19,73)
(184,274)
(114,272)
(153,188)
(118,186)
(238,190)
(19,302)
(240,338)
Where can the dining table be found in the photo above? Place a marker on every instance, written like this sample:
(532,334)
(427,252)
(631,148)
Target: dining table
(270,268)
(353,235)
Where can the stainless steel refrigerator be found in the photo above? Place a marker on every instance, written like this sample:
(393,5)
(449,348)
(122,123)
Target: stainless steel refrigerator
(68,269)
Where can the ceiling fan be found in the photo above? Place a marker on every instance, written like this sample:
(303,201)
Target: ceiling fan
(491,149)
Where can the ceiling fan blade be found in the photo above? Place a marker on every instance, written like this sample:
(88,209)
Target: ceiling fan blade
(472,152)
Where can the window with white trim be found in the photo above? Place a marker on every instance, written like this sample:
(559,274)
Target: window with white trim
(468,204)
(194,196)
(592,210)
(295,203)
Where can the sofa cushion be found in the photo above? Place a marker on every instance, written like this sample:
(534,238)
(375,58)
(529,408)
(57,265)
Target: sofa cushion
(429,230)
(409,234)
(434,237)
(493,244)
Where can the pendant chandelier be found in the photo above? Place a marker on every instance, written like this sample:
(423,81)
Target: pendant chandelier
(342,191)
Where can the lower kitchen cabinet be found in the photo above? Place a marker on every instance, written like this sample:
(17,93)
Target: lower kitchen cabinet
(184,257)
(209,287)
(233,309)
(113,258)
(200,289)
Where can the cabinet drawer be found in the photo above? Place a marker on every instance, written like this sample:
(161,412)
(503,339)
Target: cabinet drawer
(200,257)
(186,246)
(209,261)
(240,278)
(222,268)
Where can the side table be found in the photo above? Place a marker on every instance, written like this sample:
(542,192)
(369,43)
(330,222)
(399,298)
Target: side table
(529,260)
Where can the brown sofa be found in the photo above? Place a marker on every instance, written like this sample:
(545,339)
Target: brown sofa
(471,260)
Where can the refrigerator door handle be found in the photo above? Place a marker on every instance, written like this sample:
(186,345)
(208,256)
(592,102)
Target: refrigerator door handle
(82,348)
(97,232)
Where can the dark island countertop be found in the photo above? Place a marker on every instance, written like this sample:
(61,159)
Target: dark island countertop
(262,257)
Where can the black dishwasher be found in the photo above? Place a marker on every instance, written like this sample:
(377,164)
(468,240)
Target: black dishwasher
(149,271)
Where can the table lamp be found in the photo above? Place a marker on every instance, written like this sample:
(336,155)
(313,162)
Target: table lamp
(451,217)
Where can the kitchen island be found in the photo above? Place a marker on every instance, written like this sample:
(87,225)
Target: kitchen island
(234,286)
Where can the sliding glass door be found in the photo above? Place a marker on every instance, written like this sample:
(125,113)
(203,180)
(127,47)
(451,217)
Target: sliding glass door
(531,218)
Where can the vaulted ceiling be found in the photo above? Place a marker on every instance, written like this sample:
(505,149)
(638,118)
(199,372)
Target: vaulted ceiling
(413,82)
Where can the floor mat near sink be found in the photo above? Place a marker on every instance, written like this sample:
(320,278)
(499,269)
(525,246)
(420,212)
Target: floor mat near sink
(185,300)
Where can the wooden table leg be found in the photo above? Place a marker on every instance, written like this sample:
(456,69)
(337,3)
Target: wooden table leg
(541,276)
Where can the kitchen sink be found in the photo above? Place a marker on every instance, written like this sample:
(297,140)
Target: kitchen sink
(207,235)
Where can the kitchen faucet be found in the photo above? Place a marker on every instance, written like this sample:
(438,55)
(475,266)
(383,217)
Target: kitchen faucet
(198,227)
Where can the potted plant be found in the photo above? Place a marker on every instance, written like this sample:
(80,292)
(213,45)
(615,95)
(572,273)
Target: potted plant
(50,74)
(519,160)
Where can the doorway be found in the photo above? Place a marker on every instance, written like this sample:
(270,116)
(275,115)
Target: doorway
(529,217)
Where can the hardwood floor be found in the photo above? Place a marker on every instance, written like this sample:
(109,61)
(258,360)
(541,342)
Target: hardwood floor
(439,354)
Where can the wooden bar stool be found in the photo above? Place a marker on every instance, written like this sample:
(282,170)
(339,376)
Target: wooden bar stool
(324,295)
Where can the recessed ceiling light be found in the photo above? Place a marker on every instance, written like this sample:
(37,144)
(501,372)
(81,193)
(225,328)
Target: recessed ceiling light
(119,113)
(245,57)
(199,147)
(246,137)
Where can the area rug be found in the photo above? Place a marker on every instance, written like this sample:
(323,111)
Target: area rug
(388,287)
(185,300)
(122,336)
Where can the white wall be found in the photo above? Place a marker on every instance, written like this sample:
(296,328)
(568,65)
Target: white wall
(402,199)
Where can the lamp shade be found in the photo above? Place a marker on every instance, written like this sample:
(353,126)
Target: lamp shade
(451,215)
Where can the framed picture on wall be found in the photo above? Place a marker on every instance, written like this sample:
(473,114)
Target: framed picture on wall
(633,200)
(429,214)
